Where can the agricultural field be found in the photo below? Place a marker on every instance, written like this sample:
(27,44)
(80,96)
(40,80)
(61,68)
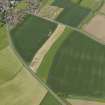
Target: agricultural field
(47,61)
(70,12)
(9,65)
(73,15)
(49,100)
(77,67)
(84,102)
(95,27)
(22,90)
(3,37)
(94,5)
(17,85)
(30,35)
(8,62)
(63,54)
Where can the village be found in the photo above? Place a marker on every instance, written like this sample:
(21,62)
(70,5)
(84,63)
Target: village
(12,11)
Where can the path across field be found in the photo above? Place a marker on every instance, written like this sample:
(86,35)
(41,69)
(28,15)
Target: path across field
(84,102)
(44,49)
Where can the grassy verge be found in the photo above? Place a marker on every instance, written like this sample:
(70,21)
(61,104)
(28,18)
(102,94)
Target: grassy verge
(3,37)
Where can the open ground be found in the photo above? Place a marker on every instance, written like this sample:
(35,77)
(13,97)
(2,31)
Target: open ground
(81,61)
(96,27)
(8,64)
(3,37)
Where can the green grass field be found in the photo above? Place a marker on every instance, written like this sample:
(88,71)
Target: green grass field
(75,11)
(17,86)
(72,14)
(81,61)
(8,61)
(3,37)
(89,4)
(22,90)
(77,66)
(92,4)
(30,35)
(9,65)
(49,100)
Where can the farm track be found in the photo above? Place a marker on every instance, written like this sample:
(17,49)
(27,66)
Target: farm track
(84,102)
(44,49)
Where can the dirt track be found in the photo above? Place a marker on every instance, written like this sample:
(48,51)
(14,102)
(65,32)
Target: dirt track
(83,102)
(44,49)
